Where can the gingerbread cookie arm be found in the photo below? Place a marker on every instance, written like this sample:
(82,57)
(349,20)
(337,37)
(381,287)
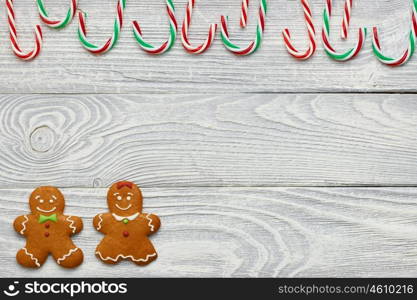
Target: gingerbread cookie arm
(75,224)
(20,224)
(101,222)
(153,222)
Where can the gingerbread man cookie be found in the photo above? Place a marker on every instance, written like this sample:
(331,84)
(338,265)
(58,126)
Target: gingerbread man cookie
(125,227)
(48,230)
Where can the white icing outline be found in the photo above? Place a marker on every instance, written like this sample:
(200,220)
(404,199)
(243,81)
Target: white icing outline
(125,208)
(32,257)
(66,255)
(23,224)
(150,222)
(72,224)
(46,211)
(99,222)
(124,257)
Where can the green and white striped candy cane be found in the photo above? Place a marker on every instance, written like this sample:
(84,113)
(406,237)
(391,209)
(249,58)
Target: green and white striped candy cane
(254,45)
(173,29)
(112,41)
(408,53)
(331,52)
(55,23)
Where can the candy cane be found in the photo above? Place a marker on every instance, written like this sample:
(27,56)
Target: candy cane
(184,32)
(111,42)
(173,28)
(244,13)
(331,52)
(408,53)
(311,35)
(54,23)
(346,18)
(254,45)
(13,36)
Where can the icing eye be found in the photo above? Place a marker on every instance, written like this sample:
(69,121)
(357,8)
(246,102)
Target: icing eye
(51,201)
(119,198)
(128,198)
(41,201)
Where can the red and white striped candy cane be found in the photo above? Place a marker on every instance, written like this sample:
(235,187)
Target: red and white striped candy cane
(244,13)
(311,35)
(13,36)
(346,18)
(184,32)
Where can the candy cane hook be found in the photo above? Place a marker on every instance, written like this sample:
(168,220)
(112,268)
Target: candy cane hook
(112,41)
(331,52)
(55,23)
(184,32)
(408,53)
(311,35)
(254,45)
(173,28)
(13,36)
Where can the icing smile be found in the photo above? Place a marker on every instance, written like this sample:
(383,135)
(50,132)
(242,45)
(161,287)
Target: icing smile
(124,208)
(45,210)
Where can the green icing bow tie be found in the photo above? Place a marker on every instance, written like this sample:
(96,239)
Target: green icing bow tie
(43,219)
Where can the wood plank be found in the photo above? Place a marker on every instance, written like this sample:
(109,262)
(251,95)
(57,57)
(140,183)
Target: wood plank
(224,232)
(64,67)
(201,140)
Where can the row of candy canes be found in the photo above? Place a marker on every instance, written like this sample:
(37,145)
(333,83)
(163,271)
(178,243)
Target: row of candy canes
(225,36)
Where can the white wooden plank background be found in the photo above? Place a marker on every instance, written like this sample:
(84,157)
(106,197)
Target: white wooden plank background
(65,67)
(258,166)
(207,140)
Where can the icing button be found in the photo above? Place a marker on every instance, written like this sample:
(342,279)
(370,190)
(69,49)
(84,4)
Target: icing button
(46,234)
(46,225)
(125,233)
(125,221)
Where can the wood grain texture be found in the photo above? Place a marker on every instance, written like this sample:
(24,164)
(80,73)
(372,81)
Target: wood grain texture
(198,140)
(65,67)
(262,232)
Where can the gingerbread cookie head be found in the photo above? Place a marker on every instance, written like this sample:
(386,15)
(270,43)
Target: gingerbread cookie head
(46,200)
(124,198)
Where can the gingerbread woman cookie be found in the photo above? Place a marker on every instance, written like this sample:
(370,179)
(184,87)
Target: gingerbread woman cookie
(48,230)
(125,227)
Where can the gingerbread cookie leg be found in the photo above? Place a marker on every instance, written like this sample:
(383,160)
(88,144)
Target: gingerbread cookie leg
(146,259)
(68,257)
(108,253)
(31,257)
(112,256)
(144,254)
